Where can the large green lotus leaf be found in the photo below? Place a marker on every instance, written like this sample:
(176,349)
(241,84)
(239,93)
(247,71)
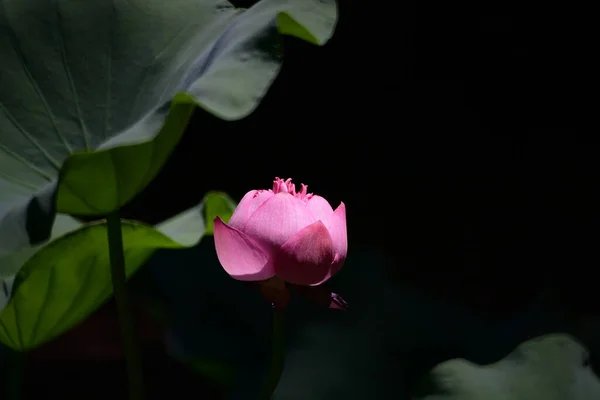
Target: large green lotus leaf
(69,277)
(550,367)
(95,94)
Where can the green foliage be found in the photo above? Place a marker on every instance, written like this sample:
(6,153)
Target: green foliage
(91,112)
(68,278)
(217,204)
(551,367)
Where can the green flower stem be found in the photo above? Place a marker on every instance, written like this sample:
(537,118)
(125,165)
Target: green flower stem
(16,369)
(126,321)
(278,356)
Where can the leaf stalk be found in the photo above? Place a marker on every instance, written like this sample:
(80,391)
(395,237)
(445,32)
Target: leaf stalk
(124,311)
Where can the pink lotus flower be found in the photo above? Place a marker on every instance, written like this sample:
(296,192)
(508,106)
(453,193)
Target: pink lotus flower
(294,236)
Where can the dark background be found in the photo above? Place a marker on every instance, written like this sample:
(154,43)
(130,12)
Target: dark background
(456,137)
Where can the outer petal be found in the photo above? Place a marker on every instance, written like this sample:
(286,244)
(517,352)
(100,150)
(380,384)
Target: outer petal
(336,225)
(320,208)
(306,258)
(246,207)
(239,255)
(280,217)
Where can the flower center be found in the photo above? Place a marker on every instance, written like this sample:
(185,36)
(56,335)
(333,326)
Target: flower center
(286,186)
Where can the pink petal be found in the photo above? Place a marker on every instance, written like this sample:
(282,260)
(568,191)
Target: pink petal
(336,225)
(246,207)
(280,217)
(239,255)
(306,258)
(319,207)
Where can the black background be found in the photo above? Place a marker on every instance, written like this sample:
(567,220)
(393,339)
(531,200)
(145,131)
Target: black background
(456,135)
(445,129)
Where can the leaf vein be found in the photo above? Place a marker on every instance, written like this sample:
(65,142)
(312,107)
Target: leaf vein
(76,299)
(22,61)
(50,282)
(22,160)
(65,62)
(6,334)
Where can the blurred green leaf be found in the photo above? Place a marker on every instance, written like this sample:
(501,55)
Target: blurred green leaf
(551,367)
(69,277)
(217,204)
